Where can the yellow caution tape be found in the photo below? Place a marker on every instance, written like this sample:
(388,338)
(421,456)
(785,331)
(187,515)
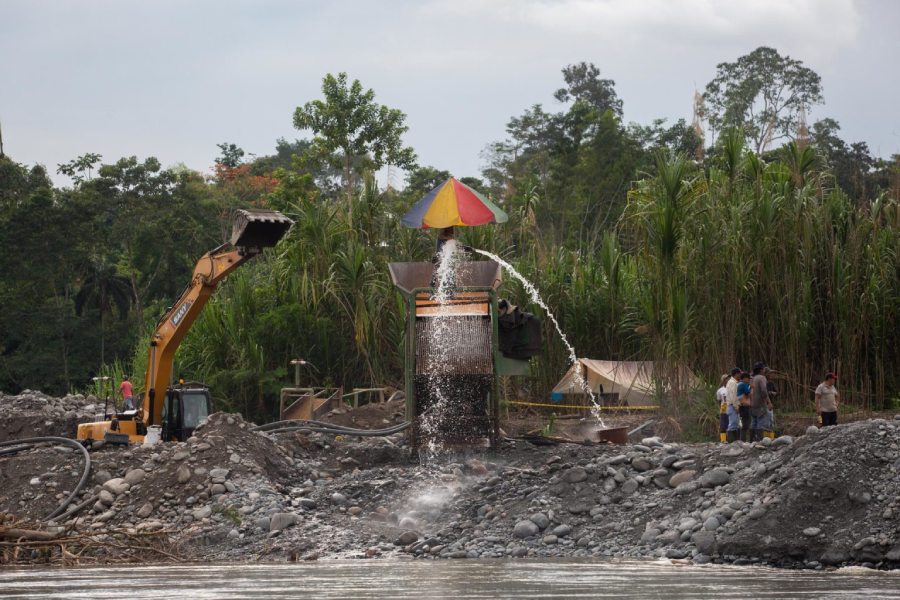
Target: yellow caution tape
(584,407)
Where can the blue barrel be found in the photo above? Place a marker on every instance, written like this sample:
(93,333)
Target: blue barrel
(556,397)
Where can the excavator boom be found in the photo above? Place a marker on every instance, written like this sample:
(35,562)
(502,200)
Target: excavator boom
(253,230)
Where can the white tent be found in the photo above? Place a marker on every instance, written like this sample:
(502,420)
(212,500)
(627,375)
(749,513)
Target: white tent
(632,380)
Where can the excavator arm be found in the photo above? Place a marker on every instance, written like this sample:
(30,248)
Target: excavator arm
(253,230)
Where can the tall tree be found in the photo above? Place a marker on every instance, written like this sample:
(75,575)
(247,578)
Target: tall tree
(351,128)
(583,83)
(764,93)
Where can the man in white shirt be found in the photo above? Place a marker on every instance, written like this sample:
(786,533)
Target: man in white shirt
(733,408)
(722,399)
(827,400)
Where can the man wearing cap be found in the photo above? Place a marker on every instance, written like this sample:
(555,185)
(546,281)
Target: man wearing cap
(759,402)
(827,400)
(732,410)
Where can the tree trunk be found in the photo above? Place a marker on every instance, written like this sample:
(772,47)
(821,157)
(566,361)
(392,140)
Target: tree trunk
(348,186)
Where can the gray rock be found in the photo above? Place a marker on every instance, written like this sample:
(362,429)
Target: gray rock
(893,554)
(217,489)
(785,440)
(562,530)
(681,477)
(756,512)
(575,475)
(629,487)
(106,498)
(180,455)
(282,520)
(526,529)
(406,538)
(688,487)
(102,476)
(218,473)
(540,519)
(617,460)
(715,478)
(135,476)
(519,551)
(550,539)
(116,486)
(641,464)
(669,461)
(338,498)
(812,430)
(202,512)
(677,553)
(812,531)
(145,511)
(860,496)
(711,524)
(834,556)
(183,474)
(649,535)
(705,542)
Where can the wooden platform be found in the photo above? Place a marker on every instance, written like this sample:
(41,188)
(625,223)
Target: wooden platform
(462,304)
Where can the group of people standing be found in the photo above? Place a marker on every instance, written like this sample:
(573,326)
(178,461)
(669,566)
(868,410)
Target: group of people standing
(746,404)
(746,410)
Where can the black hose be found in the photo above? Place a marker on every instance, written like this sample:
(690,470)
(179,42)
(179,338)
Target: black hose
(29,443)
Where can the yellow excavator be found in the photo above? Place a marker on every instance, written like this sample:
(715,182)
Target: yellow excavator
(177,409)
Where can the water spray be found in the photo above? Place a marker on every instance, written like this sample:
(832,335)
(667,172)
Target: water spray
(536,298)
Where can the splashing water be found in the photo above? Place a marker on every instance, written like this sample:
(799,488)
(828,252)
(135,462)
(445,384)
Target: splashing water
(441,332)
(536,298)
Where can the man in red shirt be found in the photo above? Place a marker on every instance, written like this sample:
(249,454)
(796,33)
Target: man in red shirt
(127,393)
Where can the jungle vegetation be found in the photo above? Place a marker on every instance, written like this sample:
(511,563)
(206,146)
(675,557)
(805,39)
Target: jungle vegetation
(764,241)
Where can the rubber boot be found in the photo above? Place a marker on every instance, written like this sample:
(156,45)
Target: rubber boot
(723,436)
(769,434)
(732,435)
(756,435)
(746,435)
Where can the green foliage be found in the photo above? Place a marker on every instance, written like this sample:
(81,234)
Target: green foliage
(763,93)
(351,128)
(788,257)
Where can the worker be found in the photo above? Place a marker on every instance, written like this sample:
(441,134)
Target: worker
(127,392)
(759,402)
(722,400)
(733,409)
(773,393)
(827,400)
(744,395)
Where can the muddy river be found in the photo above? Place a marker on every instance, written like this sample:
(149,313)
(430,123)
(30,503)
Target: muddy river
(459,580)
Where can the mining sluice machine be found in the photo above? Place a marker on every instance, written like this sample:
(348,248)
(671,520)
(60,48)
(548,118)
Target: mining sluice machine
(453,357)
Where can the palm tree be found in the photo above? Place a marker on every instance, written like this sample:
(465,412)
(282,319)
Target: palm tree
(105,290)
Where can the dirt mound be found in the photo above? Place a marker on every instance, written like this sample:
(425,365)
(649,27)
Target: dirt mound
(832,497)
(33,414)
(375,415)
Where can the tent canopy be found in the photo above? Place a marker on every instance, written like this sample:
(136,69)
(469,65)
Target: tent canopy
(632,380)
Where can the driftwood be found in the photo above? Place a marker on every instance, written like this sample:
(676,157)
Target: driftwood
(30,546)
(28,535)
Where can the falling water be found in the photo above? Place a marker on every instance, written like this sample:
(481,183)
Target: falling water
(434,421)
(536,298)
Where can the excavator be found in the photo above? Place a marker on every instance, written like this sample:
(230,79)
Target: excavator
(173,410)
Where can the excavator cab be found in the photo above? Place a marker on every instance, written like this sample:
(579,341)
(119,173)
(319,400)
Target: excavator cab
(185,407)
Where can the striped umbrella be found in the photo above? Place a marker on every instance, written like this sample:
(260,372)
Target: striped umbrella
(450,204)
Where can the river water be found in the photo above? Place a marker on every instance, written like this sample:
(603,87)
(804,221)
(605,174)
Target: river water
(460,580)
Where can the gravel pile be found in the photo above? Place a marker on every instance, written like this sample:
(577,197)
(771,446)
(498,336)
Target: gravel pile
(32,414)
(828,498)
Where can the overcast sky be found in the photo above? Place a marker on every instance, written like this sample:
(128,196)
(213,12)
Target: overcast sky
(172,78)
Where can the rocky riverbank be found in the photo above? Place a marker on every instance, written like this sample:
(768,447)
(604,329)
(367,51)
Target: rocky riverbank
(828,498)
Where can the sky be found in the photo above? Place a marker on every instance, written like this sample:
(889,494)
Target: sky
(172,79)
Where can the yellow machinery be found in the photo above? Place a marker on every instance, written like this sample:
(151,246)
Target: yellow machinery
(177,409)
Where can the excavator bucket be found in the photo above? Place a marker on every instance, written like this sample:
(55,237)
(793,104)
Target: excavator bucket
(258,228)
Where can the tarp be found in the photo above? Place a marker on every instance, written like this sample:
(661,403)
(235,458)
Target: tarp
(632,380)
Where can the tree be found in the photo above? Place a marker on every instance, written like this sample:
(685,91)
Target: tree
(764,93)
(583,84)
(75,169)
(351,128)
(232,155)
